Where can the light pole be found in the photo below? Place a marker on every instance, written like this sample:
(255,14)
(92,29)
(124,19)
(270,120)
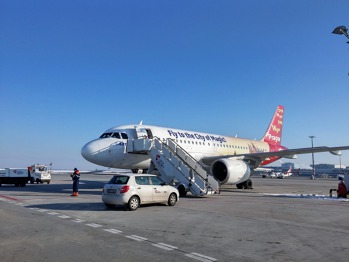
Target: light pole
(312,155)
(340,163)
(341,30)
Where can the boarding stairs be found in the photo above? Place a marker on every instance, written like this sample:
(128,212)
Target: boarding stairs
(174,163)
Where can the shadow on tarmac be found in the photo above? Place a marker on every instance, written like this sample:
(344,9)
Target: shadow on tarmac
(85,207)
(87,187)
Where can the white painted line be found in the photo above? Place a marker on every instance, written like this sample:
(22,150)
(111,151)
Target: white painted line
(137,238)
(78,220)
(19,204)
(53,213)
(64,216)
(200,257)
(33,208)
(165,246)
(41,210)
(114,231)
(93,225)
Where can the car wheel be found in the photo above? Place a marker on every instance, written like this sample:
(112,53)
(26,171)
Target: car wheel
(172,199)
(133,203)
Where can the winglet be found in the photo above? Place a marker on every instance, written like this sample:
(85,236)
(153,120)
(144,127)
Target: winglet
(274,132)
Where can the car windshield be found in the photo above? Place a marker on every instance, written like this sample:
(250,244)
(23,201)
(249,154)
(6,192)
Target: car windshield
(122,180)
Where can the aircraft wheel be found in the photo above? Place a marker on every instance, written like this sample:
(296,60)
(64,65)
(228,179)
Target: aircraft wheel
(182,191)
(239,186)
(248,184)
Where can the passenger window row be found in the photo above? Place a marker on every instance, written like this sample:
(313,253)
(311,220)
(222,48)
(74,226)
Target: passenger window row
(217,145)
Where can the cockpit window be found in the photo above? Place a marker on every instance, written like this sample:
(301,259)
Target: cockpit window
(116,135)
(105,135)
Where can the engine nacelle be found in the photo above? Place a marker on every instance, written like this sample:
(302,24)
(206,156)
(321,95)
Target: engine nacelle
(230,171)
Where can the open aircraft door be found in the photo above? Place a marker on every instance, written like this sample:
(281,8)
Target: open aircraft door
(144,133)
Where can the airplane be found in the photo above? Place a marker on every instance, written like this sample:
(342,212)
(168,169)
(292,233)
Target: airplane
(280,175)
(230,160)
(288,173)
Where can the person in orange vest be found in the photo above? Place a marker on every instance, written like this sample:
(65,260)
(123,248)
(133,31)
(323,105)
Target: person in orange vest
(342,189)
(75,177)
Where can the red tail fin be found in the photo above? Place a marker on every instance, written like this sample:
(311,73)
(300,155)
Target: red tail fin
(274,131)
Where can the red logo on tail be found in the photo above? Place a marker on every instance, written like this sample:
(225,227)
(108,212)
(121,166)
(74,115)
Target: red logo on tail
(274,131)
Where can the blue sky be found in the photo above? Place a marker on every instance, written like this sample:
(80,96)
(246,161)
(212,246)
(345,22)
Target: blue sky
(69,70)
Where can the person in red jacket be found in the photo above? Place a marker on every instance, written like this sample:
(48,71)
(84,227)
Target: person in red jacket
(76,177)
(342,189)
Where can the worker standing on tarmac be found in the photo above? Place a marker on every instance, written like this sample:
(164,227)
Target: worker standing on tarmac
(75,176)
(342,189)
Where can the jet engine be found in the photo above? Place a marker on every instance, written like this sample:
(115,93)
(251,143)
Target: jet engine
(230,171)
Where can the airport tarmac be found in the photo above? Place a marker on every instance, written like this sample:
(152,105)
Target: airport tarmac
(289,219)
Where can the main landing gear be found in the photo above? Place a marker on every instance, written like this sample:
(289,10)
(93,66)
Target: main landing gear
(245,185)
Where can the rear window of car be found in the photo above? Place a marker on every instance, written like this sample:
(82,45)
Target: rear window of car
(122,180)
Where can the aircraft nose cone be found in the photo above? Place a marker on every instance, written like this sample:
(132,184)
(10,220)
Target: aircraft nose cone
(90,150)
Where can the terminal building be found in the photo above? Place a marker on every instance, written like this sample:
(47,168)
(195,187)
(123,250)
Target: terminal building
(321,170)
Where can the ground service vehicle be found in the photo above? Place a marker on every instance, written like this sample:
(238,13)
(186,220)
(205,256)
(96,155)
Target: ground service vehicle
(39,174)
(16,176)
(132,190)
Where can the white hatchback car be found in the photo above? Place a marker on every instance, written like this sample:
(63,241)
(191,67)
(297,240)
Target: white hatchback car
(132,190)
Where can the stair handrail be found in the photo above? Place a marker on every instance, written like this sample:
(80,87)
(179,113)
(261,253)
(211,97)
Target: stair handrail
(192,158)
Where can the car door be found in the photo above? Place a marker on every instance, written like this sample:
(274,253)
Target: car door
(160,189)
(144,189)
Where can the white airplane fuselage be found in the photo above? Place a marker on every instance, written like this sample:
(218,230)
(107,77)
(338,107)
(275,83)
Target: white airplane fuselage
(229,159)
(110,149)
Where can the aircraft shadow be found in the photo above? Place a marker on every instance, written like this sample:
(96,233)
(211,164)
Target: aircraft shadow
(84,207)
(87,187)
(72,206)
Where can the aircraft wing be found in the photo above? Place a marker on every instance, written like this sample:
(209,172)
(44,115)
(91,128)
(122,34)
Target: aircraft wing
(263,169)
(256,158)
(94,172)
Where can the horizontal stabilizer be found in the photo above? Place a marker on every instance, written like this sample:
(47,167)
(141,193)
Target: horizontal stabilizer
(336,153)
